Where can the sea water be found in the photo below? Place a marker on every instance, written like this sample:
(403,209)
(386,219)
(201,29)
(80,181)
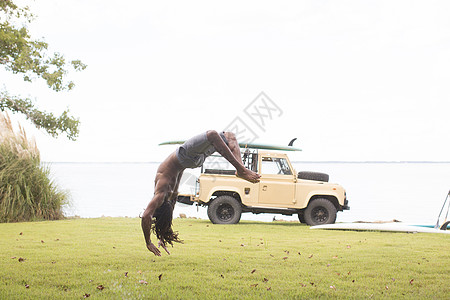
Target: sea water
(408,192)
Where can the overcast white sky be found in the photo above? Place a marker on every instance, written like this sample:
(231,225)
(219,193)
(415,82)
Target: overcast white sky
(352,80)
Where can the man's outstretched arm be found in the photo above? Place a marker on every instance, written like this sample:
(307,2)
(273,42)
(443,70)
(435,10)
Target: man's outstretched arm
(146,222)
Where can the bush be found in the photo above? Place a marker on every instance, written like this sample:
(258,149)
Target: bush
(26,191)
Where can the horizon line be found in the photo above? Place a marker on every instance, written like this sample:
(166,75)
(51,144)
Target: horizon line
(295,161)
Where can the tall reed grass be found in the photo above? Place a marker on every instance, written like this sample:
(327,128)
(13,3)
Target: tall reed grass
(26,191)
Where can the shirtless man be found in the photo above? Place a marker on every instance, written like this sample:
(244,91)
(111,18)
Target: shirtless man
(191,154)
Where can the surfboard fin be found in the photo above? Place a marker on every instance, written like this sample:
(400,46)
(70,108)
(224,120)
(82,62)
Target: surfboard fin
(291,143)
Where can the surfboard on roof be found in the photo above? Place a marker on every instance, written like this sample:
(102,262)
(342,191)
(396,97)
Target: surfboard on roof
(246,145)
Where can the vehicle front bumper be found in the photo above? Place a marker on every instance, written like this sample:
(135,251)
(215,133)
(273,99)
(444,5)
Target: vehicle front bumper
(345,206)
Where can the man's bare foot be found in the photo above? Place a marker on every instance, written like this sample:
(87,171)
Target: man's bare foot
(248,175)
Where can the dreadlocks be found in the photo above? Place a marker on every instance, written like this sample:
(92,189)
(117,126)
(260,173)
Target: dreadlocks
(162,225)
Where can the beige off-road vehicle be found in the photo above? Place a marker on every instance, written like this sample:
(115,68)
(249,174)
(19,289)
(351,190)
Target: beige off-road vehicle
(280,191)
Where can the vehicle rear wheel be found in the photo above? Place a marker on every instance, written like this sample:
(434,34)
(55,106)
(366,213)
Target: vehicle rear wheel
(225,210)
(320,211)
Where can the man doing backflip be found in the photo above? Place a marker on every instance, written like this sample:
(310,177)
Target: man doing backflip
(191,154)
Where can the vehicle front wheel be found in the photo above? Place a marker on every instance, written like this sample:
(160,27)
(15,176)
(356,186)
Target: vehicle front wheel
(225,210)
(301,217)
(320,211)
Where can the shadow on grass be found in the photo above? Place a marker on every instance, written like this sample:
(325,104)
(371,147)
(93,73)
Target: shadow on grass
(276,223)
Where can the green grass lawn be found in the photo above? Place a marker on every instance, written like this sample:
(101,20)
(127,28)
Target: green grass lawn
(107,258)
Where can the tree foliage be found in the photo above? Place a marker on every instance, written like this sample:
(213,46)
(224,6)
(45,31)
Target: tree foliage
(23,55)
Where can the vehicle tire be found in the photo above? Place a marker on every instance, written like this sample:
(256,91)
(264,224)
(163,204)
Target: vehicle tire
(301,217)
(316,176)
(320,211)
(224,210)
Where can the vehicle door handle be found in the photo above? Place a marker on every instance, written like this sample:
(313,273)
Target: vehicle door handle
(264,188)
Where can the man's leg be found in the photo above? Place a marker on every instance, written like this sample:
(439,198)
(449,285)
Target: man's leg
(233,145)
(224,150)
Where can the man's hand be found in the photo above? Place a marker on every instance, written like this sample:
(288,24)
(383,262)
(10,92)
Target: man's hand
(164,247)
(155,249)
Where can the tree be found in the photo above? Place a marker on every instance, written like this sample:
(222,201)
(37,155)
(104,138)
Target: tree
(21,54)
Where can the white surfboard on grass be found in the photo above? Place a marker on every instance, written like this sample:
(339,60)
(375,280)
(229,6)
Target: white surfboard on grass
(395,227)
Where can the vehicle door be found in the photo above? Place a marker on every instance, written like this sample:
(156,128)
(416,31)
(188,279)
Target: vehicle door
(277,183)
